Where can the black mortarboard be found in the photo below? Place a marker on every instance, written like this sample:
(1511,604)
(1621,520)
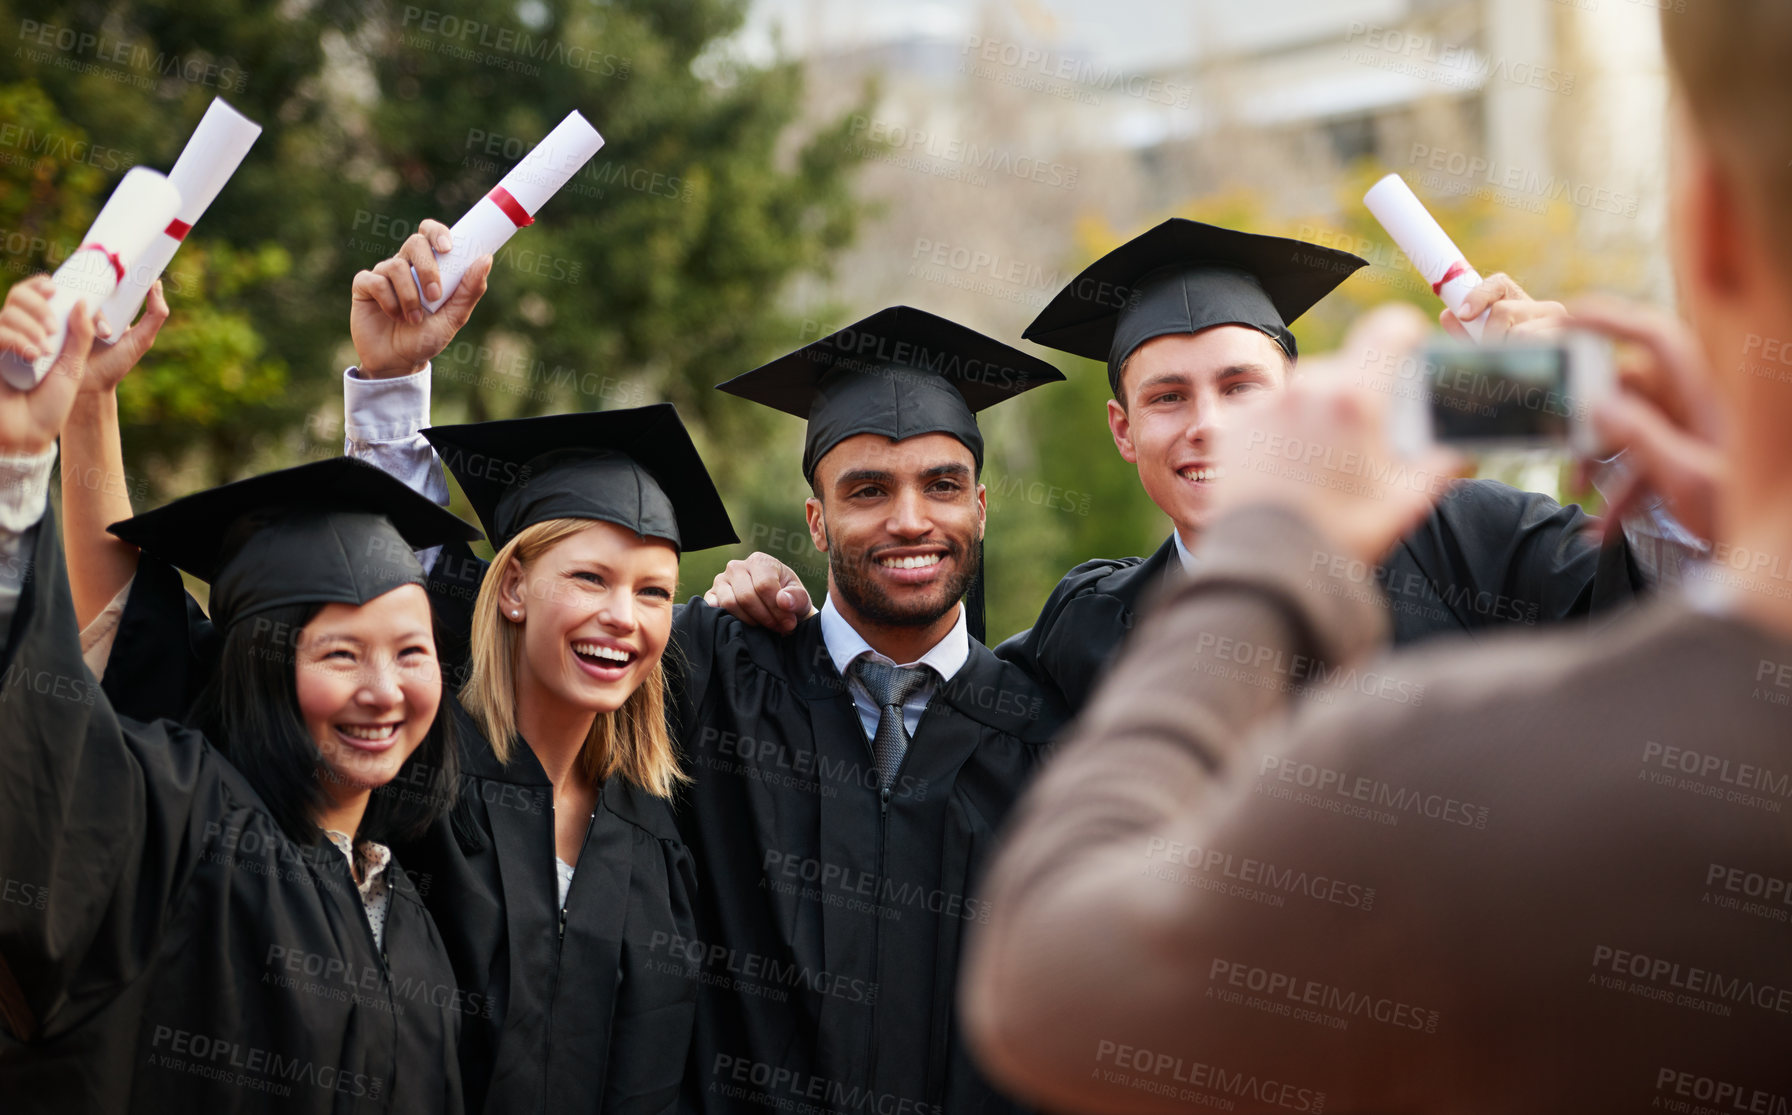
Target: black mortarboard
(634,467)
(332,532)
(1182,277)
(901,372)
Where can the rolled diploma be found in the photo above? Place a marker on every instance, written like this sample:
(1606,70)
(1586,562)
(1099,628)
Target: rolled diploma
(1425,242)
(138,210)
(487,226)
(210,157)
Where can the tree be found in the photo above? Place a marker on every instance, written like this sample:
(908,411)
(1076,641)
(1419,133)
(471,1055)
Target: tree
(655,274)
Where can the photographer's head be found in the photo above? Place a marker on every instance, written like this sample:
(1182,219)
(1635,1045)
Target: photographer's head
(1731,166)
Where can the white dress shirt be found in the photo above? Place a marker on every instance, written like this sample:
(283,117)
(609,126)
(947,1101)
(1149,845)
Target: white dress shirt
(1188,559)
(380,425)
(845,646)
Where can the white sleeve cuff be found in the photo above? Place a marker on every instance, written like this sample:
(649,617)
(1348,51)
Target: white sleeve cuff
(380,420)
(24,489)
(384,409)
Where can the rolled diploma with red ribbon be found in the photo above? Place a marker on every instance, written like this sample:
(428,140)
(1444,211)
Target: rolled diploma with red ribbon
(513,203)
(210,157)
(138,210)
(1424,241)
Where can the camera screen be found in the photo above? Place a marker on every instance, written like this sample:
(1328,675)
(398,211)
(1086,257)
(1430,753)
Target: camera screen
(1500,395)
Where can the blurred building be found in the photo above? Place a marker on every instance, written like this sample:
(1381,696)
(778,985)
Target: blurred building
(1002,123)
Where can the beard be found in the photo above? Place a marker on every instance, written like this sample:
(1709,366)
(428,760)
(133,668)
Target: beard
(857,583)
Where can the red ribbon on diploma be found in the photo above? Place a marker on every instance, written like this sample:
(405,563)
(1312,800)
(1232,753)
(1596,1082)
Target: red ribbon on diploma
(117,264)
(1456,269)
(178,229)
(512,208)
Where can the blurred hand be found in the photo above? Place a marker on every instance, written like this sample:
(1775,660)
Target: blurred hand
(1516,315)
(760,592)
(1321,448)
(30,420)
(108,364)
(394,335)
(25,320)
(1662,414)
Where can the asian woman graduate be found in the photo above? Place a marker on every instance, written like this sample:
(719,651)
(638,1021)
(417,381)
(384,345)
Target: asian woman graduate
(560,884)
(208,918)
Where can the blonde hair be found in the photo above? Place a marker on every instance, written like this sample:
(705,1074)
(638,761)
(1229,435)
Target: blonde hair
(633,741)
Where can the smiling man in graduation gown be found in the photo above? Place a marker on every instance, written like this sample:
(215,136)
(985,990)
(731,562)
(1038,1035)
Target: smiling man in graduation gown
(850,775)
(1192,321)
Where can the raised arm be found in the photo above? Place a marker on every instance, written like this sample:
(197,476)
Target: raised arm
(386,395)
(95,817)
(95,488)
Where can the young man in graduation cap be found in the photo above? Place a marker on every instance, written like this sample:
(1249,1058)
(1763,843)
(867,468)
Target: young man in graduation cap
(850,774)
(1192,321)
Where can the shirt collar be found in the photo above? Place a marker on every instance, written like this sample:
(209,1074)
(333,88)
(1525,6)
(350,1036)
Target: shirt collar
(375,858)
(845,645)
(1188,559)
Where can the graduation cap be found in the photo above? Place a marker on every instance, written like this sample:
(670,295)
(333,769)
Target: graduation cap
(634,467)
(338,531)
(901,372)
(1182,277)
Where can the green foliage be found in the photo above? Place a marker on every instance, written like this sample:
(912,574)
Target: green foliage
(654,274)
(49,198)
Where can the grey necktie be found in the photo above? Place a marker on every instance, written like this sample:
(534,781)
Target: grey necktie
(890,687)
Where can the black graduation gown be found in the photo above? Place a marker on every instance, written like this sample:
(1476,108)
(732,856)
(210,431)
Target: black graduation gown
(1488,556)
(599,1022)
(592,1013)
(164,946)
(832,918)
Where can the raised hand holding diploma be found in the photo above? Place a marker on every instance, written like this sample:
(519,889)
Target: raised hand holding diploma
(1426,244)
(211,156)
(31,417)
(393,335)
(138,210)
(513,202)
(109,363)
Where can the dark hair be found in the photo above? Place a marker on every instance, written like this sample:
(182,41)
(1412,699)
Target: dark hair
(250,712)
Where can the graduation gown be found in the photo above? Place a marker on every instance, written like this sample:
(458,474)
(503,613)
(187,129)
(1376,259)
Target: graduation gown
(164,945)
(598,1019)
(1488,556)
(585,1011)
(832,916)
